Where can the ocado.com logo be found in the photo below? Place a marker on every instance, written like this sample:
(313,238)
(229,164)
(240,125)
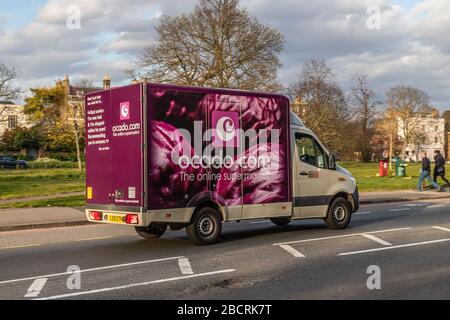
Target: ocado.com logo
(126,127)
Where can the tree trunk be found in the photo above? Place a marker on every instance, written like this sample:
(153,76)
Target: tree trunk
(77,142)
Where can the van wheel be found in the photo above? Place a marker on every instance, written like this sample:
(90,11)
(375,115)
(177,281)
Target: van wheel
(205,227)
(339,214)
(153,231)
(282,222)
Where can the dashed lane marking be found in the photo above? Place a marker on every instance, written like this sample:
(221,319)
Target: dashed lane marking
(185,266)
(364,212)
(341,236)
(36,287)
(292,251)
(141,284)
(401,209)
(376,239)
(91,269)
(435,206)
(394,247)
(441,228)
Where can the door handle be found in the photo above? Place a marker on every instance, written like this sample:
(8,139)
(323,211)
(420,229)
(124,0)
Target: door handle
(304,173)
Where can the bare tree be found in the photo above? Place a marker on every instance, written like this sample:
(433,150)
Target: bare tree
(409,104)
(365,102)
(8,90)
(325,108)
(217,45)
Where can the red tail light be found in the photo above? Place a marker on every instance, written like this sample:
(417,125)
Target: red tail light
(95,215)
(132,219)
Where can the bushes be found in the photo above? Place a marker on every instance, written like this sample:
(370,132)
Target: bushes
(51,163)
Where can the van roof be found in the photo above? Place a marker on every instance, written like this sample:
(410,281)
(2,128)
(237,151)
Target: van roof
(207,90)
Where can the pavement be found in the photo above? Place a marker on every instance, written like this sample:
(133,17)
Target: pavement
(34,218)
(389,251)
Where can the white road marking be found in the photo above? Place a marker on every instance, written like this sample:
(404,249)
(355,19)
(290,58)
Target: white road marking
(401,209)
(21,246)
(75,294)
(394,247)
(441,228)
(92,269)
(342,236)
(91,239)
(36,287)
(185,266)
(259,222)
(364,212)
(435,206)
(376,239)
(292,251)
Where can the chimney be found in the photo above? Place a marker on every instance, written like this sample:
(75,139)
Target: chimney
(66,84)
(106,82)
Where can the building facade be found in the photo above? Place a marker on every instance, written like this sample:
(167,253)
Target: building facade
(431,136)
(11,116)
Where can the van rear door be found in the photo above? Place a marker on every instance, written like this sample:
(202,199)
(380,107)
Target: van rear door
(114,149)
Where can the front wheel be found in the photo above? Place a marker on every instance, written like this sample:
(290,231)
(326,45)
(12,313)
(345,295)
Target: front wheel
(153,231)
(205,227)
(339,214)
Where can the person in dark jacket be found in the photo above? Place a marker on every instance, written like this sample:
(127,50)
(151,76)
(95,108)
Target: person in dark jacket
(439,167)
(426,173)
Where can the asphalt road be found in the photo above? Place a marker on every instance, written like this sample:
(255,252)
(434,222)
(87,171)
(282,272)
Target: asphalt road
(408,244)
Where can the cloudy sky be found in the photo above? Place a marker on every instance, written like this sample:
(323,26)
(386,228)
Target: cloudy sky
(411,46)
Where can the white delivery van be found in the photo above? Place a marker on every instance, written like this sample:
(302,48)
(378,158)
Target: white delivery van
(164,157)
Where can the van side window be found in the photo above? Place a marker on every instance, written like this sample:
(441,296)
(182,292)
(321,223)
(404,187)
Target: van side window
(310,151)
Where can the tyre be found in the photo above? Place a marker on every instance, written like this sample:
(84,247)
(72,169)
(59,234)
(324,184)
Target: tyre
(22,166)
(339,214)
(282,222)
(205,227)
(153,231)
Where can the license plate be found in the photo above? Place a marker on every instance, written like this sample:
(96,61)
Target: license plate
(115,219)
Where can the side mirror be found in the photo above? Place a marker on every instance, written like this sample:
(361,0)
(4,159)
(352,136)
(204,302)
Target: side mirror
(332,162)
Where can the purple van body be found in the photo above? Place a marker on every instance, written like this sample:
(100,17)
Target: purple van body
(132,132)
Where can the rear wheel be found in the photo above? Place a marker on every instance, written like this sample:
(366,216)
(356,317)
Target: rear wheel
(282,222)
(22,166)
(153,231)
(339,214)
(205,227)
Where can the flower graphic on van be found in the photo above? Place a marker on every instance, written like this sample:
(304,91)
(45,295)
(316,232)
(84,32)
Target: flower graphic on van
(225,125)
(124,111)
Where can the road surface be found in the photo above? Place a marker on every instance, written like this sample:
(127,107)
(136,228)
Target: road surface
(399,250)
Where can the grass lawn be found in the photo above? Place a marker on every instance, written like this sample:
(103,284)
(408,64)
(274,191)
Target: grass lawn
(39,182)
(73,201)
(366,177)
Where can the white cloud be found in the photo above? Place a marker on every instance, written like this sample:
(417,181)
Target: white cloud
(412,47)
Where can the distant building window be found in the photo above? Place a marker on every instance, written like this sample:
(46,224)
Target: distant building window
(423,128)
(436,128)
(80,93)
(12,122)
(436,139)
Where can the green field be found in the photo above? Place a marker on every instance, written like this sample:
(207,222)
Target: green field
(366,176)
(39,182)
(15,184)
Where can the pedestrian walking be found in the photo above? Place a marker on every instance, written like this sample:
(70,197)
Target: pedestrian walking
(426,173)
(439,167)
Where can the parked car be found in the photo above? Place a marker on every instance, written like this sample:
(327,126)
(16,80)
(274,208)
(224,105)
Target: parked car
(8,162)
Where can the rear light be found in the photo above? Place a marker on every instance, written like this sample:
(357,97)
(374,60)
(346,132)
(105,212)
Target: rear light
(132,219)
(95,215)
